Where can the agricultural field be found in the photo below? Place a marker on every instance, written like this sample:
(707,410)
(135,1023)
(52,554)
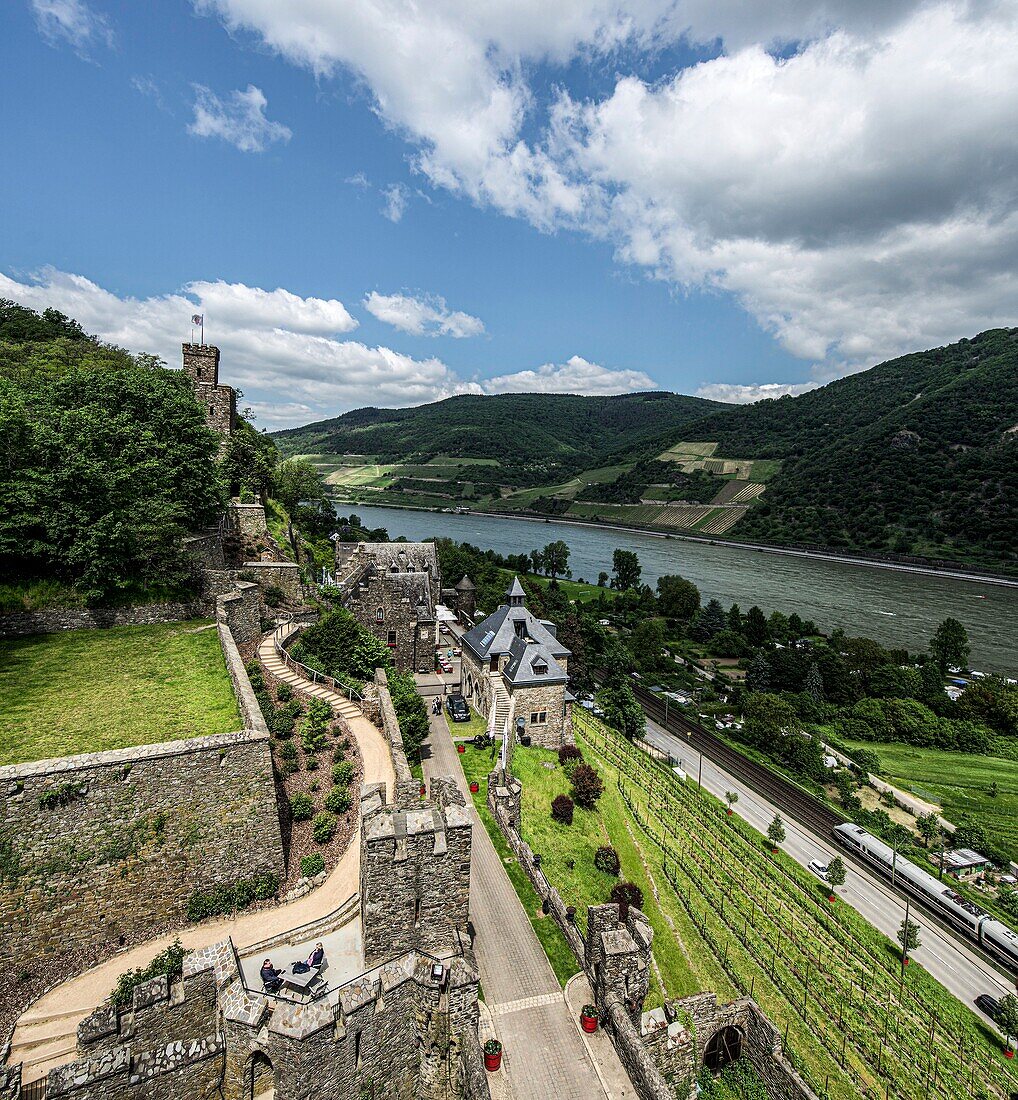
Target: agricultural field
(960,782)
(730,916)
(131,685)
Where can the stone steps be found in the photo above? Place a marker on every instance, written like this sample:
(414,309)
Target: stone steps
(39,1061)
(281,671)
(31,1018)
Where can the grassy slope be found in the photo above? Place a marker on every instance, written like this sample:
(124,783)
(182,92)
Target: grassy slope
(960,782)
(91,690)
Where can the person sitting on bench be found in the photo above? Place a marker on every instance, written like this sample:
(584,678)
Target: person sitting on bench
(270,977)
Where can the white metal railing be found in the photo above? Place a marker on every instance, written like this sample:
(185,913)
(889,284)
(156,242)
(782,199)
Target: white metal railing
(281,635)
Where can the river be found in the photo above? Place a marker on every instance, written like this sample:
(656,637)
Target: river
(895,608)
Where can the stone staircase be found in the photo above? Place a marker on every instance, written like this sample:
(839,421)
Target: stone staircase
(275,665)
(45,1041)
(501,712)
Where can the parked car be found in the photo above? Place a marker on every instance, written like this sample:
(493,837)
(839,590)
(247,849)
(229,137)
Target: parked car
(457,707)
(819,869)
(985,1003)
(443,629)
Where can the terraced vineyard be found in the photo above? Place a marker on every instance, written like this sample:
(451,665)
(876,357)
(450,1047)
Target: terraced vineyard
(860,1026)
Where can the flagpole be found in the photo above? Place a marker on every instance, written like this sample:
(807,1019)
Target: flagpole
(203,329)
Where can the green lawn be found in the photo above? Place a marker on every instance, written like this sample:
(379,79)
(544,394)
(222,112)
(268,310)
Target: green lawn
(960,782)
(91,690)
(573,590)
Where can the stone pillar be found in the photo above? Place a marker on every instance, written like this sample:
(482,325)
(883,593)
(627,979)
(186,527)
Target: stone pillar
(618,957)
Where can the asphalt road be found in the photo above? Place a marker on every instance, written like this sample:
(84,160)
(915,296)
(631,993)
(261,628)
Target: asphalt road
(956,967)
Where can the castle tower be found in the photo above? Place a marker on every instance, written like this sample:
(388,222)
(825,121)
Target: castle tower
(219,403)
(466,601)
(515,596)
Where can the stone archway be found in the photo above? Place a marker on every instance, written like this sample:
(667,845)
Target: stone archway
(260,1078)
(723,1048)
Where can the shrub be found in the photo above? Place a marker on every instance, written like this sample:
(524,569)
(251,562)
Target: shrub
(338,800)
(562,809)
(319,711)
(338,755)
(567,753)
(226,897)
(273,595)
(62,794)
(288,750)
(302,807)
(587,786)
(284,693)
(342,773)
(324,827)
(606,859)
(169,962)
(624,895)
(311,764)
(290,767)
(312,865)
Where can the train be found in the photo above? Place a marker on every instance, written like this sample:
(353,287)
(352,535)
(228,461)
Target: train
(992,935)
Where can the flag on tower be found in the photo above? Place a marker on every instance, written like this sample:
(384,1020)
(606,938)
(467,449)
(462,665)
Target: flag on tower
(198,319)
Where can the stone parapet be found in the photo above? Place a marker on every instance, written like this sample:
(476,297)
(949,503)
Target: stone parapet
(407,793)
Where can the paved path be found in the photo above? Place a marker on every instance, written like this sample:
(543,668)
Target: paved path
(45,1035)
(544,1053)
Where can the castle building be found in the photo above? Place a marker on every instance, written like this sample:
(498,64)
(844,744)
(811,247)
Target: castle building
(391,589)
(219,403)
(515,672)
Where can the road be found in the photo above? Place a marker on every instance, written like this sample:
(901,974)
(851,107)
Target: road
(957,968)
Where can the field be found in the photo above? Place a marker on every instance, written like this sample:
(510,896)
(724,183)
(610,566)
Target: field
(960,782)
(91,690)
(572,590)
(730,916)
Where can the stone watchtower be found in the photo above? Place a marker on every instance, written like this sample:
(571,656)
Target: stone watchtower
(466,601)
(219,403)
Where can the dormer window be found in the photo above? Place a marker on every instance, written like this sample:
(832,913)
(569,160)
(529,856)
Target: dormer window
(540,668)
(520,627)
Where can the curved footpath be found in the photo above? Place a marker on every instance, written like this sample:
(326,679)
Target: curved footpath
(46,1033)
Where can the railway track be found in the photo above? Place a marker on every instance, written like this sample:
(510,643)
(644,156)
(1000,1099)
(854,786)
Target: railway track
(792,799)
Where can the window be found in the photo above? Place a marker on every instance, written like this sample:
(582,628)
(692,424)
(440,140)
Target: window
(380,615)
(392,638)
(538,717)
(519,625)
(540,668)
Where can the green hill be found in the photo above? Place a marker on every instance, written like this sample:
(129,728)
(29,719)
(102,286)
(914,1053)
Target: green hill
(917,456)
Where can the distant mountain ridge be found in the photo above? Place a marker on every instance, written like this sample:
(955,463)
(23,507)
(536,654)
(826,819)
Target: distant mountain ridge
(916,456)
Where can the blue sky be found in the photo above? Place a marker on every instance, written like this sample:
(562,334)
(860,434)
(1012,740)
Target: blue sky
(572,202)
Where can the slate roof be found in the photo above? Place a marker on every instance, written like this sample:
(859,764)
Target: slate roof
(495,635)
(525,657)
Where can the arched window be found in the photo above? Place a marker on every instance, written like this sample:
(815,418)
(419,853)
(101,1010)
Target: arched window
(724,1047)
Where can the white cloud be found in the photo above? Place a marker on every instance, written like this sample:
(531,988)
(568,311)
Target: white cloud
(73,22)
(275,345)
(856,191)
(746,395)
(239,120)
(576,375)
(422,316)
(396,198)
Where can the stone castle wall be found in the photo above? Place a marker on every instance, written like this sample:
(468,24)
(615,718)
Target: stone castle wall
(549,698)
(103,849)
(20,624)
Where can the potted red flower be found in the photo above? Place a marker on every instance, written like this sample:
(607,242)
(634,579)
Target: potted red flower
(461,748)
(492,1055)
(424,790)
(588,1018)
(474,786)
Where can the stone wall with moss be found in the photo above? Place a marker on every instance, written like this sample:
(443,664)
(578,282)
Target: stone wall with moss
(101,850)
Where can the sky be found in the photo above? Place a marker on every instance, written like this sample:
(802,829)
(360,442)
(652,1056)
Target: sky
(387,202)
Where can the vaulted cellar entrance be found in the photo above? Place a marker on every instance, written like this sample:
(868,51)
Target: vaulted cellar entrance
(724,1047)
(261,1080)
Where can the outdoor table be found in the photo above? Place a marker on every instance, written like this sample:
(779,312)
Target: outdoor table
(300,982)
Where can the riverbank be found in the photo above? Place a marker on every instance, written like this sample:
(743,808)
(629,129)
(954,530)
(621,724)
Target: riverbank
(758,547)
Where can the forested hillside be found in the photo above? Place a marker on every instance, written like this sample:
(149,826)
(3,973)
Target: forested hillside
(918,456)
(105,461)
(563,431)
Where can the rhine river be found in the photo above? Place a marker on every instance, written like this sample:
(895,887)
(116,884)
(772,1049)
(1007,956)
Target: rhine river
(895,608)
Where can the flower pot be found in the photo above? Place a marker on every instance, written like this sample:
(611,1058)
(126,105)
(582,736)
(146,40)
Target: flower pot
(1008,1053)
(493,1062)
(728,813)
(474,788)
(831,897)
(424,790)
(461,748)
(589,1024)
(907,960)
(774,851)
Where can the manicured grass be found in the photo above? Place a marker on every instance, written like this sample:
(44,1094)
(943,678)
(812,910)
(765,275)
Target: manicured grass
(465,731)
(477,764)
(960,782)
(90,690)
(573,590)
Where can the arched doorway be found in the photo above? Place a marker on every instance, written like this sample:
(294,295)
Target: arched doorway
(261,1079)
(724,1047)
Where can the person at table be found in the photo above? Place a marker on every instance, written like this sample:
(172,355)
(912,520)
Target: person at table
(270,977)
(317,957)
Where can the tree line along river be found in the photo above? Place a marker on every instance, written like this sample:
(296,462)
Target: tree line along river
(891,606)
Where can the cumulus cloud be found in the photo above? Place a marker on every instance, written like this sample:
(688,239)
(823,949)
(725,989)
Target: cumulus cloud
(855,189)
(278,347)
(72,22)
(239,119)
(576,375)
(395,201)
(746,395)
(427,315)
